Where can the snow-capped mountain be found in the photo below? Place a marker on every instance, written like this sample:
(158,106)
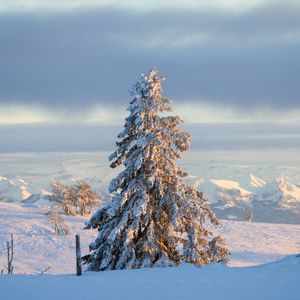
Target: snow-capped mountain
(270,190)
(269,200)
(227,192)
(19,190)
(280,191)
(290,193)
(256,181)
(13,189)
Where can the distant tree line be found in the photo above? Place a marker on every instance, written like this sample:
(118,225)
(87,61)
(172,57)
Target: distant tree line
(75,199)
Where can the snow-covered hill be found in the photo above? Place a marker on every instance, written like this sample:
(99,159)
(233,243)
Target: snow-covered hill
(37,247)
(252,245)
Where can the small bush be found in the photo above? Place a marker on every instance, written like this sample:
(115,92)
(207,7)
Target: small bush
(75,199)
(248,215)
(57,221)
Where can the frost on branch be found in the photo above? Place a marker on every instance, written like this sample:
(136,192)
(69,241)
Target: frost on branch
(155,218)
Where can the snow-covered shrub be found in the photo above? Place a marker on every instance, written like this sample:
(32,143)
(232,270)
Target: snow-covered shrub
(63,195)
(55,219)
(155,218)
(248,215)
(84,198)
(78,198)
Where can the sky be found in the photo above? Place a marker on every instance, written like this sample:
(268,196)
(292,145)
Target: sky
(68,65)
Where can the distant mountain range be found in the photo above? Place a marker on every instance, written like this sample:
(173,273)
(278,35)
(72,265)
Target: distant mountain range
(270,201)
(273,201)
(18,190)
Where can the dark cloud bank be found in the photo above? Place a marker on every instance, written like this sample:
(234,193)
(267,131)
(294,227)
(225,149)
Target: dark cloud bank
(80,58)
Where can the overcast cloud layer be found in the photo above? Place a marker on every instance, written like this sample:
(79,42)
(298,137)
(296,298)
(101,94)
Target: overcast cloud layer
(94,137)
(83,58)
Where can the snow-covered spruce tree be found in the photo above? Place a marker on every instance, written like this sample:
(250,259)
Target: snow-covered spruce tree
(155,218)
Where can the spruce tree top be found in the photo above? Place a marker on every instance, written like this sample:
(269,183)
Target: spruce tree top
(155,218)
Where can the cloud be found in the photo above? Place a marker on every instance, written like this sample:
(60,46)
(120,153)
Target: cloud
(138,5)
(22,114)
(76,137)
(83,58)
(190,112)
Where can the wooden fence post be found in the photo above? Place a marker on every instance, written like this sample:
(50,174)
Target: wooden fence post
(78,256)
(10,254)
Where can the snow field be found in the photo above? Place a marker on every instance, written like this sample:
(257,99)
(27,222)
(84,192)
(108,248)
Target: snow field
(37,247)
(279,280)
(251,244)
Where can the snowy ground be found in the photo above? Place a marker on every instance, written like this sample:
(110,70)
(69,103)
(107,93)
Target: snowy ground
(37,247)
(280,280)
(251,244)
